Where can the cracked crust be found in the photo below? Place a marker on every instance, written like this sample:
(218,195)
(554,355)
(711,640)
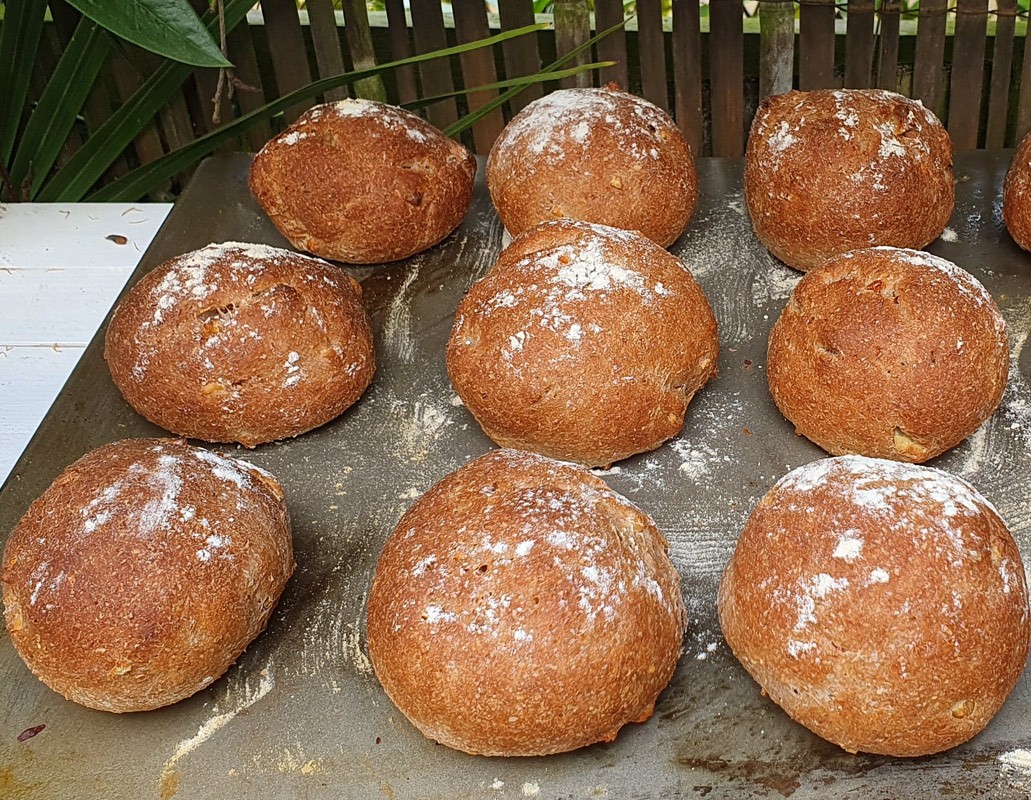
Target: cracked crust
(584,343)
(363,182)
(144,570)
(599,155)
(890,353)
(241,343)
(521,607)
(882,605)
(830,171)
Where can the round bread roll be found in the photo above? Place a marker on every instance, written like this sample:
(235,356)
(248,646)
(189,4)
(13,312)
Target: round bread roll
(599,155)
(584,343)
(882,605)
(1016,196)
(241,343)
(831,171)
(144,571)
(521,607)
(889,353)
(363,182)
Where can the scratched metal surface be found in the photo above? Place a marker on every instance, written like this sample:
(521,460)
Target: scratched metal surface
(301,715)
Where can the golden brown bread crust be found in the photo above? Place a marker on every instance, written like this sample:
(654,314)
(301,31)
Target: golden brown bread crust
(830,171)
(889,353)
(241,343)
(363,182)
(521,607)
(882,605)
(141,574)
(1016,195)
(599,155)
(583,343)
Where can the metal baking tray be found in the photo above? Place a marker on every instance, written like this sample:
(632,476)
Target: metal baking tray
(301,714)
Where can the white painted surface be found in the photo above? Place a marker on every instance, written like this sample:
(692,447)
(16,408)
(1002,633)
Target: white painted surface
(61,268)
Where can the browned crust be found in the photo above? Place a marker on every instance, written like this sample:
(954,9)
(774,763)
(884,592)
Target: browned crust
(599,155)
(141,574)
(1016,196)
(241,343)
(521,607)
(889,353)
(363,182)
(582,343)
(830,171)
(910,639)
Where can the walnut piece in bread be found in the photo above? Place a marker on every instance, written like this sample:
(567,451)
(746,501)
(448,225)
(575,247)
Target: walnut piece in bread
(830,171)
(363,182)
(1016,195)
(584,343)
(521,607)
(890,353)
(600,155)
(241,343)
(144,570)
(882,605)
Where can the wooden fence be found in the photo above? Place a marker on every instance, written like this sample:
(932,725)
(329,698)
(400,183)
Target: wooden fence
(963,62)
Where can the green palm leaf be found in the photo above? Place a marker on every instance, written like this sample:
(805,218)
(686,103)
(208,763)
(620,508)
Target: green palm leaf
(19,41)
(167,27)
(92,160)
(54,115)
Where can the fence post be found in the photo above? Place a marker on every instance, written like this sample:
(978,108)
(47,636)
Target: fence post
(572,29)
(776,47)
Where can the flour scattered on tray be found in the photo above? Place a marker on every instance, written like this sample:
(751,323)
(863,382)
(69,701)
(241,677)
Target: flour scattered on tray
(241,695)
(1020,758)
(397,325)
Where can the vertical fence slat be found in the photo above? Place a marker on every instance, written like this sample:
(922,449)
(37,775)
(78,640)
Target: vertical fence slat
(816,44)
(50,50)
(687,69)
(727,75)
(128,79)
(572,29)
(968,48)
(428,30)
(326,40)
(363,54)
(204,83)
(613,47)
(521,54)
(859,44)
(478,69)
(928,75)
(652,49)
(286,48)
(1023,124)
(241,53)
(776,47)
(1002,62)
(98,104)
(888,47)
(400,47)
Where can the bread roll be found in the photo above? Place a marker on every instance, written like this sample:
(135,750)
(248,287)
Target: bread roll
(241,343)
(144,571)
(363,182)
(831,171)
(890,353)
(1016,196)
(600,155)
(583,343)
(882,605)
(521,607)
